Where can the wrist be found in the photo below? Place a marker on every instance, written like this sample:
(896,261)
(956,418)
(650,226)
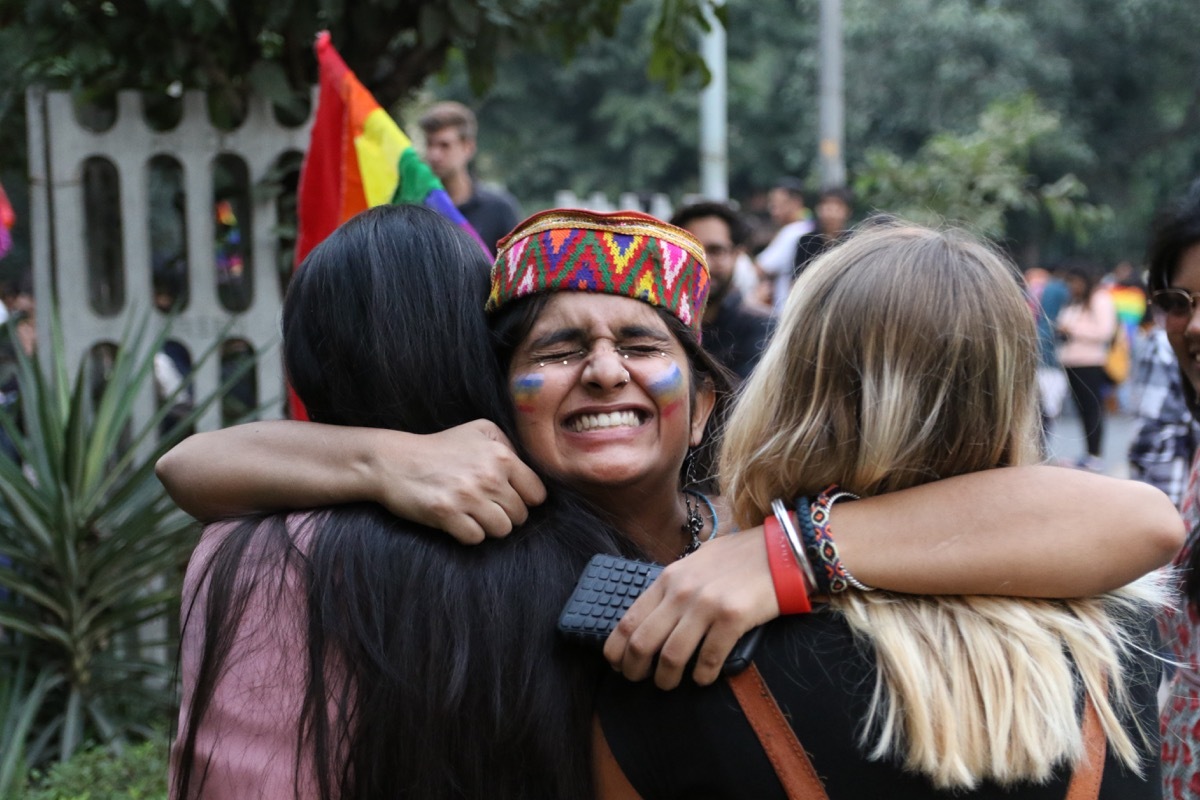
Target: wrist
(792,586)
(373,453)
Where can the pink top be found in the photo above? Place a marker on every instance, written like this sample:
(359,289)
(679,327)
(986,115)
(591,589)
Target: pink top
(1089,331)
(252,728)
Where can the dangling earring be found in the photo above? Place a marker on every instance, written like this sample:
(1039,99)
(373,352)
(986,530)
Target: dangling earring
(693,523)
(689,467)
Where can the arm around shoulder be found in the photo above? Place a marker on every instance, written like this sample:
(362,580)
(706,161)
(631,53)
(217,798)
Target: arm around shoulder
(1035,531)
(466,480)
(269,466)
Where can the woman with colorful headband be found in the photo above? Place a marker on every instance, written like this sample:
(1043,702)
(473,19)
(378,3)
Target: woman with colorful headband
(598,316)
(884,694)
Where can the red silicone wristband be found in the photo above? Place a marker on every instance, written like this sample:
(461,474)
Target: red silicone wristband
(791,590)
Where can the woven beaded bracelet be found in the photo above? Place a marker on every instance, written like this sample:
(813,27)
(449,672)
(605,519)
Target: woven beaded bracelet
(821,547)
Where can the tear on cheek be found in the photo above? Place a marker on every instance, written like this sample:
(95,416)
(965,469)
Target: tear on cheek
(668,390)
(525,390)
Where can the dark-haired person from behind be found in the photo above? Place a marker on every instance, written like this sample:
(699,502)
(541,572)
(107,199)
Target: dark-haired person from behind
(734,332)
(346,653)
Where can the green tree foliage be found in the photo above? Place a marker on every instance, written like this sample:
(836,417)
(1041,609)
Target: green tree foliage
(229,48)
(982,177)
(1123,80)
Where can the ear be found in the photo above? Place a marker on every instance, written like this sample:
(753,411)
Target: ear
(469,145)
(702,408)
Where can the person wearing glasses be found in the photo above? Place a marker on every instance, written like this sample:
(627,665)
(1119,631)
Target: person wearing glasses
(1174,281)
(734,332)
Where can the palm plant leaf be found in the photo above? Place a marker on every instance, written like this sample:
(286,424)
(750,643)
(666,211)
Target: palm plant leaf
(94,547)
(20,704)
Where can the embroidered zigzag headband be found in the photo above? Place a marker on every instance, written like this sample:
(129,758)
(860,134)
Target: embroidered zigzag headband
(624,253)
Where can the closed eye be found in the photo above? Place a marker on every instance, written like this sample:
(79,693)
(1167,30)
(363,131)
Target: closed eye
(641,350)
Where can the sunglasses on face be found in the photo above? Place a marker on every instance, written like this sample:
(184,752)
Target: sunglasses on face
(1176,304)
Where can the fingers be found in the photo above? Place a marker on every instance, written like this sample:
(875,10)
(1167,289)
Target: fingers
(467,481)
(718,644)
(633,659)
(524,481)
(464,529)
(701,605)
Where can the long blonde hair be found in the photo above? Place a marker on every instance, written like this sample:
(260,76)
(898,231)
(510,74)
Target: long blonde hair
(903,356)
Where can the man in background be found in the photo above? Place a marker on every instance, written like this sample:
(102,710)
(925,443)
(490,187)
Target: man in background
(450,130)
(777,260)
(733,332)
(834,208)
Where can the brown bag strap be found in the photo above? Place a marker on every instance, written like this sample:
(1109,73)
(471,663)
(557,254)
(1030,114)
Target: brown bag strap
(800,780)
(1085,782)
(791,763)
(778,740)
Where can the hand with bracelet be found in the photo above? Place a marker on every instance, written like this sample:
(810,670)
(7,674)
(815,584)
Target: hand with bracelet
(961,535)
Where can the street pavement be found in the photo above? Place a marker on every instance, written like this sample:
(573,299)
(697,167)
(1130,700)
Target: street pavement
(1066,442)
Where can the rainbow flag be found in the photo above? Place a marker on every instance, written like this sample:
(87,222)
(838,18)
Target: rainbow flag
(1130,302)
(8,218)
(358,158)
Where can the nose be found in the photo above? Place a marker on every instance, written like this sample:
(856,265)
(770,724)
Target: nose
(605,368)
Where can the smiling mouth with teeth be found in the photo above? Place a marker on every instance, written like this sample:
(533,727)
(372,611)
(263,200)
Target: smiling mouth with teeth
(616,419)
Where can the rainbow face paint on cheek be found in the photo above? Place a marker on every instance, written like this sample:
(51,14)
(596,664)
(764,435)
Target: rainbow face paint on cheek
(525,389)
(668,390)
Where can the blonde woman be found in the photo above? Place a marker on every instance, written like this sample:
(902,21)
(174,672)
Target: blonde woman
(904,356)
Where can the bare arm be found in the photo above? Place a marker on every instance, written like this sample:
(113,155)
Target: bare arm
(1029,531)
(466,480)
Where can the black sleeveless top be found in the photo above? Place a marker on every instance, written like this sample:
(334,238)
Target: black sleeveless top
(694,742)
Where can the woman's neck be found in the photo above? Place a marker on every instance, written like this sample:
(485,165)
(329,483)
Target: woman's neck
(653,519)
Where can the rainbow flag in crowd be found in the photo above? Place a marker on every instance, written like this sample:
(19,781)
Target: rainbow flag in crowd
(1130,302)
(8,218)
(358,158)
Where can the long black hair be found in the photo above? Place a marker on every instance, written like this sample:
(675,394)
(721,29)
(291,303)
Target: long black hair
(1176,229)
(440,661)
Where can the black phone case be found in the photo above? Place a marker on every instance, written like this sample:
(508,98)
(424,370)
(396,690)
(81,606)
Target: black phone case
(606,590)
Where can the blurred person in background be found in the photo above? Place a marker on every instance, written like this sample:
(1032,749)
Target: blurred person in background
(835,205)
(450,132)
(734,332)
(1086,327)
(1165,434)
(1047,295)
(777,260)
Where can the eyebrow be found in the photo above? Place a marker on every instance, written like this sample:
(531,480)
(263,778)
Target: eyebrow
(642,332)
(558,336)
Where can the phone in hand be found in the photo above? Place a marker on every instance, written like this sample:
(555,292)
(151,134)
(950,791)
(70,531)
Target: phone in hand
(606,590)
